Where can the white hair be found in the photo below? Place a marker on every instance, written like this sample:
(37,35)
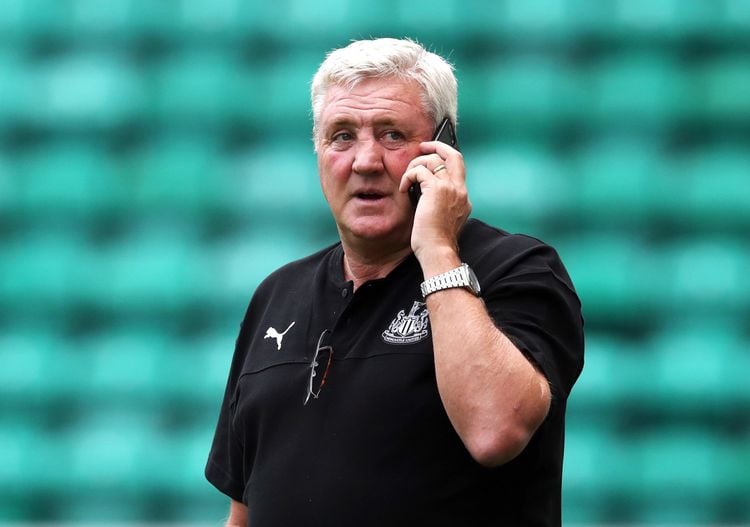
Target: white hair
(403,59)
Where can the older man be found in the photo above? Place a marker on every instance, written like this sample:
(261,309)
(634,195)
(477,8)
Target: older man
(415,373)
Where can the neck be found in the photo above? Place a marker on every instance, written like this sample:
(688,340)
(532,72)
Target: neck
(359,268)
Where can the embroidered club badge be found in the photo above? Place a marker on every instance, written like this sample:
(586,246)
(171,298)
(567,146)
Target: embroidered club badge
(411,328)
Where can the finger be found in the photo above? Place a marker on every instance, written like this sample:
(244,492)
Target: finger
(417,174)
(452,158)
(444,150)
(430,161)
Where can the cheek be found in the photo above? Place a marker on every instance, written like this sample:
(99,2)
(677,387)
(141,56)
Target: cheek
(335,167)
(333,171)
(396,163)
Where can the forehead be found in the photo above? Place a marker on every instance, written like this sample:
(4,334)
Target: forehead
(385,98)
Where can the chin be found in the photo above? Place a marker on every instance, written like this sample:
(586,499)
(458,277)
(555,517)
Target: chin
(383,229)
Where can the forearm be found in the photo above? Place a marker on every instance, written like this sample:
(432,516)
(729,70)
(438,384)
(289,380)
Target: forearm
(494,397)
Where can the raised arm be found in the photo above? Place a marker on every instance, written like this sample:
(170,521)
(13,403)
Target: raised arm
(493,395)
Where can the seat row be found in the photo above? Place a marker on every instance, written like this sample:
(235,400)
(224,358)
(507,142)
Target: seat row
(137,368)
(54,272)
(693,369)
(680,475)
(110,457)
(616,183)
(101,90)
(61,274)
(111,466)
(230,20)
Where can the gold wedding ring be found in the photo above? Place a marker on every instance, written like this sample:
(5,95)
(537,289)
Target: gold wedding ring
(438,169)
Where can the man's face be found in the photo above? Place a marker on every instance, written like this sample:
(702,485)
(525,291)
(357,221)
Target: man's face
(366,138)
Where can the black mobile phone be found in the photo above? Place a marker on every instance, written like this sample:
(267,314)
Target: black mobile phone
(445,133)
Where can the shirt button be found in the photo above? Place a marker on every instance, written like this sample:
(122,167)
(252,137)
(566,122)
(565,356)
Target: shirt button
(344,292)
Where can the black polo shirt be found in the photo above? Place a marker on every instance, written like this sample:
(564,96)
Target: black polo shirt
(376,447)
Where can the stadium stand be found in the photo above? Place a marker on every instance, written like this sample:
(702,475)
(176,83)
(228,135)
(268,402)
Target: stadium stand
(156,165)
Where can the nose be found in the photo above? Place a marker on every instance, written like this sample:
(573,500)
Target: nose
(368,158)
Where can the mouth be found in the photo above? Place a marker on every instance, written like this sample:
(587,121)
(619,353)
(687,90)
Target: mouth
(369,196)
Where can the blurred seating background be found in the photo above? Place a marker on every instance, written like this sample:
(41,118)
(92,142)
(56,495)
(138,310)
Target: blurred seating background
(156,164)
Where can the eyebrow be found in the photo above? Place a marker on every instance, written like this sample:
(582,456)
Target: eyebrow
(340,121)
(348,121)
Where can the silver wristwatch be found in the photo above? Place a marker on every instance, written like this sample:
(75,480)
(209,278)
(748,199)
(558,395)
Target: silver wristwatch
(461,276)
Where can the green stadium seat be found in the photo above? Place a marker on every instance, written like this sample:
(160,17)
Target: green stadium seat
(184,494)
(242,262)
(23,20)
(281,104)
(517,186)
(230,24)
(326,23)
(198,368)
(412,15)
(185,451)
(698,19)
(517,23)
(113,451)
(18,459)
(86,90)
(14,85)
(590,19)
(736,478)
(699,369)
(8,184)
(613,376)
(682,471)
(708,275)
(110,461)
(194,20)
(618,182)
(86,21)
(40,273)
(724,82)
(200,88)
(159,271)
(665,19)
(10,18)
(639,91)
(24,367)
(713,188)
(125,368)
(537,20)
(278,182)
(68,179)
(100,510)
(618,279)
(43,372)
(520,95)
(181,173)
(734,21)
(599,467)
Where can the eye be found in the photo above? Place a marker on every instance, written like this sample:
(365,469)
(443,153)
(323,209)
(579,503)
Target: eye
(393,138)
(341,137)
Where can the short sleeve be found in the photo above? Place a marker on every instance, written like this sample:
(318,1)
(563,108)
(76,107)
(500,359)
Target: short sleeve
(533,302)
(225,467)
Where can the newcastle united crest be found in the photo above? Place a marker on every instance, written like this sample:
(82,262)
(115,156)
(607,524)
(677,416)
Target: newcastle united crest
(411,328)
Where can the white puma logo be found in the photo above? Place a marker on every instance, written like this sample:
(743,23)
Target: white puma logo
(271,333)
